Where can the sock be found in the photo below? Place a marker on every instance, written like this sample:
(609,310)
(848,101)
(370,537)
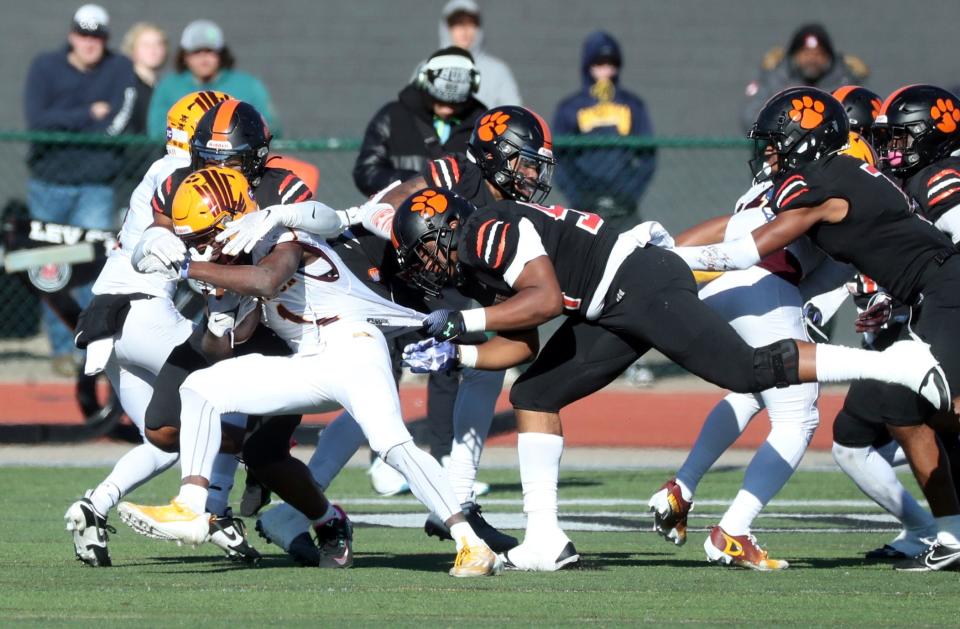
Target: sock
(221,482)
(769,470)
(539,455)
(462,532)
(199,435)
(872,473)
(132,470)
(337,443)
(426,478)
(472,415)
(948,530)
(836,363)
(723,426)
(328,515)
(194,496)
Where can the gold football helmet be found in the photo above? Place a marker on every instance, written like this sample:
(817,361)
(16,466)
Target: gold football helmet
(206,200)
(860,148)
(183,117)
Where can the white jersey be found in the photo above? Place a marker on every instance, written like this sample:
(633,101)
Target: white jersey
(321,294)
(118,275)
(753,210)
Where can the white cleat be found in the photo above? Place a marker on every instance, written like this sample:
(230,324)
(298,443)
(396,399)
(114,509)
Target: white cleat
(89,532)
(174,522)
(386,481)
(549,553)
(914,366)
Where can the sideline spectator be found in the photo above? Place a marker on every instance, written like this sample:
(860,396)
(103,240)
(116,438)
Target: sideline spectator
(432,116)
(146,46)
(205,62)
(460,26)
(82,87)
(809,59)
(608,181)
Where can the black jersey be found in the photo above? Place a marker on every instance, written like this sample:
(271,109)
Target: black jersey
(278,186)
(457,173)
(880,235)
(493,247)
(935,188)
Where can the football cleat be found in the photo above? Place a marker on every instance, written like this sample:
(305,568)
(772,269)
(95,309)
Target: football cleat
(915,367)
(89,532)
(904,546)
(335,541)
(670,512)
(230,535)
(497,541)
(556,552)
(476,561)
(385,480)
(174,522)
(939,556)
(739,550)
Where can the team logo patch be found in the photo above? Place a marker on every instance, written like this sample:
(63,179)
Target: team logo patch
(429,203)
(50,277)
(806,111)
(946,114)
(492,125)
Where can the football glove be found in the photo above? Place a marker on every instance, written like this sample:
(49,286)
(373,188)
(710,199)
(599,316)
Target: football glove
(813,323)
(877,314)
(430,356)
(444,325)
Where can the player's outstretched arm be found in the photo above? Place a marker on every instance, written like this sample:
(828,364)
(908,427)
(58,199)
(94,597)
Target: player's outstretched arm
(501,352)
(265,279)
(705,233)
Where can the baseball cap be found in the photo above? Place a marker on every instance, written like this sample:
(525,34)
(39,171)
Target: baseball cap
(91,19)
(202,35)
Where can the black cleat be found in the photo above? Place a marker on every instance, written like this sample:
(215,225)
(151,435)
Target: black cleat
(497,541)
(937,557)
(89,533)
(230,535)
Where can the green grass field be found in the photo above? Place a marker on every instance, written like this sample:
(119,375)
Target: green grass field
(630,575)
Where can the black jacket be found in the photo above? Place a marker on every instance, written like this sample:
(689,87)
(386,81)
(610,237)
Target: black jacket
(401,138)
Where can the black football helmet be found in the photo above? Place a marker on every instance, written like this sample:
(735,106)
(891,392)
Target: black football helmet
(424,233)
(917,125)
(800,125)
(508,132)
(232,134)
(862,107)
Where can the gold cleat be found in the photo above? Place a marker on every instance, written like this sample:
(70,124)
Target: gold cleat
(476,561)
(739,550)
(174,522)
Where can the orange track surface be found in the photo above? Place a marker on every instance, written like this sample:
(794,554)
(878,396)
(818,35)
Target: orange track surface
(624,418)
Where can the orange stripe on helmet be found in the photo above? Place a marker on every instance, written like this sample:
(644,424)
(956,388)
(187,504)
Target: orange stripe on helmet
(842,92)
(547,136)
(886,103)
(221,124)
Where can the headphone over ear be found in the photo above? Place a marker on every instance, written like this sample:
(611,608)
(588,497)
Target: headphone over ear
(447,59)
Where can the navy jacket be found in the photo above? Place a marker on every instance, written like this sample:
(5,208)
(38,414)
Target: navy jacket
(58,98)
(587,174)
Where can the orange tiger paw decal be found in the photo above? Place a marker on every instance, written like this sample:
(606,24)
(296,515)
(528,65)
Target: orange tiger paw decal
(428,203)
(806,111)
(946,115)
(492,125)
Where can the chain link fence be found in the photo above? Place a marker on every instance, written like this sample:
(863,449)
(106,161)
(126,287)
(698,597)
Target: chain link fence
(693,179)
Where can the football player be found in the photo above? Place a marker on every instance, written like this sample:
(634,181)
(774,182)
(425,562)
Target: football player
(329,319)
(130,328)
(856,214)
(529,263)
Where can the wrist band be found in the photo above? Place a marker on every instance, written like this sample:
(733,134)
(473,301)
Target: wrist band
(474,320)
(467,355)
(185,269)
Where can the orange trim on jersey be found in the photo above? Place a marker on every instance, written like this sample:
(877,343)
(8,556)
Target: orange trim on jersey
(547,136)
(794,196)
(221,124)
(886,103)
(454,168)
(305,196)
(786,183)
(500,247)
(483,229)
(435,174)
(156,205)
(283,184)
(168,183)
(943,173)
(943,195)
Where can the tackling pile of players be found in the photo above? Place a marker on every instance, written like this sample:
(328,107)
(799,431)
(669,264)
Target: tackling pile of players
(296,323)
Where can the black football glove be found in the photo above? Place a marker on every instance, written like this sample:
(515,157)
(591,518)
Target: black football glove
(444,325)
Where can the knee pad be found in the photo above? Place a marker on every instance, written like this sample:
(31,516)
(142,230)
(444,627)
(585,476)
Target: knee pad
(776,365)
(527,395)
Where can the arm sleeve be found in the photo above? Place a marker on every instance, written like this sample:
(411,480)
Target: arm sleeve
(41,115)
(311,216)
(731,255)
(373,169)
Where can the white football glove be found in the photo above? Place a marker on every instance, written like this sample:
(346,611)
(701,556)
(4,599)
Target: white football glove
(198,286)
(247,231)
(227,311)
(161,243)
(152,264)
(364,214)
(652,233)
